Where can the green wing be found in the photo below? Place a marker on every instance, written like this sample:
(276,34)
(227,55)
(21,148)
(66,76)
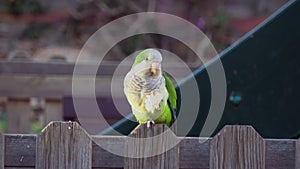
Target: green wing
(169,114)
(171,90)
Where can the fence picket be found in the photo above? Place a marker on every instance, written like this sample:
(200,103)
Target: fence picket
(152,144)
(67,145)
(236,147)
(18,115)
(63,145)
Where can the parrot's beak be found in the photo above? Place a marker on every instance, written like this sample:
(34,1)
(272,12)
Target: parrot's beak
(155,66)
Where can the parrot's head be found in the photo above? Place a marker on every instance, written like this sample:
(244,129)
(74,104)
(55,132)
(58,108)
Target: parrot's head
(148,62)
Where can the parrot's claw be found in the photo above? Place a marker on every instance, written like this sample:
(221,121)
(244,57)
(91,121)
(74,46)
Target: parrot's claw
(149,123)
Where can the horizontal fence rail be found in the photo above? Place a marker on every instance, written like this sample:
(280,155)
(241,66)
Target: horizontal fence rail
(67,145)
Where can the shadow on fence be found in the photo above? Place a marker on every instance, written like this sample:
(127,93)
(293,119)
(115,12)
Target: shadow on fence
(67,145)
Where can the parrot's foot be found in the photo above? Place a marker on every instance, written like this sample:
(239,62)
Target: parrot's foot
(149,123)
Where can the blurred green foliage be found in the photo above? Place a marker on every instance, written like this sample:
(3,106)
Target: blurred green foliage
(18,7)
(34,31)
(2,122)
(34,128)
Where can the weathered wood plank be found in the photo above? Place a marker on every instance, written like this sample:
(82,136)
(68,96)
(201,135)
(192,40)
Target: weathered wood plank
(280,153)
(147,148)
(18,112)
(53,110)
(54,80)
(103,158)
(19,167)
(2,151)
(194,153)
(236,147)
(107,168)
(52,68)
(67,69)
(48,86)
(20,150)
(297,155)
(63,145)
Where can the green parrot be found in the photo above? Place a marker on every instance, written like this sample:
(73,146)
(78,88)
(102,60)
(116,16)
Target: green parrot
(149,90)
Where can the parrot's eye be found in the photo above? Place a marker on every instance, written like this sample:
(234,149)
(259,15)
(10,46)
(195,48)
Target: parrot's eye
(147,59)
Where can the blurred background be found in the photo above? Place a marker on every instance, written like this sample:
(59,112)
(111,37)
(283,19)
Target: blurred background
(40,41)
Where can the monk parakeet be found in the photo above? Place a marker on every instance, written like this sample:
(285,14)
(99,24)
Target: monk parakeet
(149,91)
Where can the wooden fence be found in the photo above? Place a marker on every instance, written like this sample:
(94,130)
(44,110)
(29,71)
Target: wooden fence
(67,145)
(52,81)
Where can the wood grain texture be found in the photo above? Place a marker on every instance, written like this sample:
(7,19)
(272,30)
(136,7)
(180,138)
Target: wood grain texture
(194,153)
(20,152)
(63,145)
(149,148)
(53,110)
(297,154)
(280,153)
(18,113)
(2,151)
(53,80)
(19,167)
(104,158)
(237,147)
